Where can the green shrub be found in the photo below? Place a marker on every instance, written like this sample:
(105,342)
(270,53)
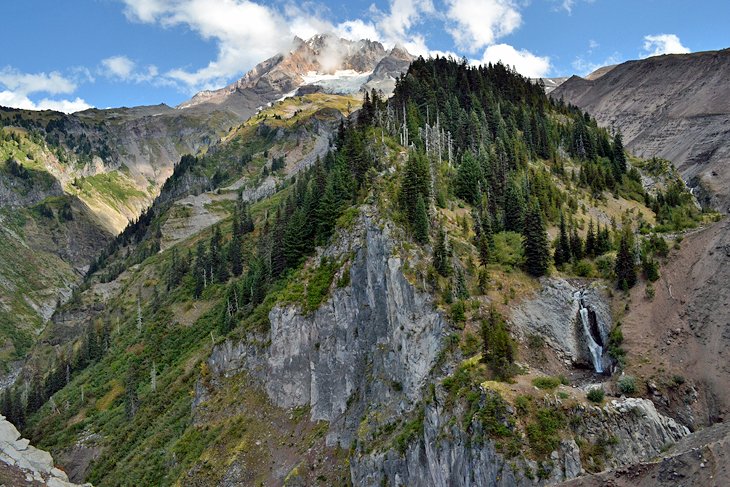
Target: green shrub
(543,434)
(596,395)
(458,314)
(546,382)
(627,384)
(583,268)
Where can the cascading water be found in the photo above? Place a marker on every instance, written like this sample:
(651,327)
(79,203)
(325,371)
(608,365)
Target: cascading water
(595,349)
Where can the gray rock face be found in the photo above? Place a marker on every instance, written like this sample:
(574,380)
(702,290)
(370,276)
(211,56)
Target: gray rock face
(370,350)
(554,315)
(25,463)
(445,455)
(372,344)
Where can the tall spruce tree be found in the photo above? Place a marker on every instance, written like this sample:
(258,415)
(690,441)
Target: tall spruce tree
(562,247)
(514,207)
(576,245)
(420,222)
(537,248)
(626,262)
(590,248)
(442,254)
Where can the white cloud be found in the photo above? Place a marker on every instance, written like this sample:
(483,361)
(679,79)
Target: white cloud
(474,24)
(523,61)
(25,83)
(18,100)
(124,69)
(245,32)
(568,5)
(584,67)
(17,86)
(118,67)
(655,45)
(357,29)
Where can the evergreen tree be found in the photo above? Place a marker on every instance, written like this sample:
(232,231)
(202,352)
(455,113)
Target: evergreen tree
(619,155)
(462,291)
(626,262)
(576,245)
(421,223)
(590,249)
(416,181)
(294,239)
(442,254)
(603,240)
(537,249)
(562,247)
(498,348)
(468,179)
(514,207)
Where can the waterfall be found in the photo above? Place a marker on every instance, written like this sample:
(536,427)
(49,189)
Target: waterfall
(595,349)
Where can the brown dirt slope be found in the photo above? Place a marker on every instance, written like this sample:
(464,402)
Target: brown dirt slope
(685,330)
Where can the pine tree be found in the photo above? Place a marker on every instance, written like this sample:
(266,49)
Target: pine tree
(626,262)
(294,239)
(442,254)
(416,181)
(514,208)
(421,223)
(462,292)
(576,245)
(619,156)
(562,248)
(590,249)
(468,179)
(537,249)
(498,348)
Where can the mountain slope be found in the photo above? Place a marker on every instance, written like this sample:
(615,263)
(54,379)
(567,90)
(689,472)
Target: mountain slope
(353,317)
(673,106)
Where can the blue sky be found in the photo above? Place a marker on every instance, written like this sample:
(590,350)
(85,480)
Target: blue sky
(108,53)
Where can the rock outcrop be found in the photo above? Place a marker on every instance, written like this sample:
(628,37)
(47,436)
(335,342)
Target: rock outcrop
(22,464)
(372,344)
(446,455)
(367,354)
(553,314)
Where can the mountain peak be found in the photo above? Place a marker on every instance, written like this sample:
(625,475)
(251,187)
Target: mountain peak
(324,62)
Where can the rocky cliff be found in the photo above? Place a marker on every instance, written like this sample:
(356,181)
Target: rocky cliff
(363,362)
(21,464)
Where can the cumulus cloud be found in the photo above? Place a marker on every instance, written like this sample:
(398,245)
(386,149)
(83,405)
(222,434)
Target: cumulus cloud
(523,61)
(656,45)
(357,29)
(249,31)
(26,83)
(244,31)
(474,24)
(16,100)
(17,86)
(124,69)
